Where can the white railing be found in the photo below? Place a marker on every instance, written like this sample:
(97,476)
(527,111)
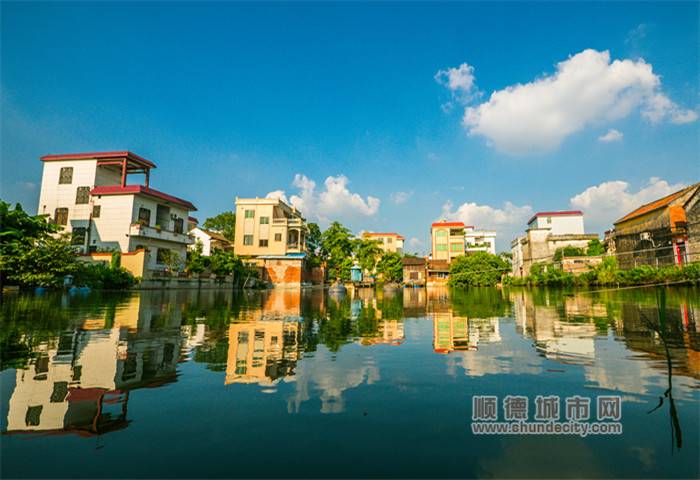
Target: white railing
(139,230)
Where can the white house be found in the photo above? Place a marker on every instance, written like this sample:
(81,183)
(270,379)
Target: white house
(88,194)
(210,240)
(479,240)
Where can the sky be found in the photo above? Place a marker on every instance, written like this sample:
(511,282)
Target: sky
(383,116)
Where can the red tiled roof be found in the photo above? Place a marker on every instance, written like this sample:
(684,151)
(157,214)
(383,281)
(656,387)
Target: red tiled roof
(448,224)
(388,234)
(99,155)
(656,204)
(140,189)
(561,213)
(192,219)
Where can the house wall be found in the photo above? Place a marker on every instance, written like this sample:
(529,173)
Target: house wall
(110,230)
(135,262)
(692,215)
(560,224)
(284,272)
(54,195)
(200,236)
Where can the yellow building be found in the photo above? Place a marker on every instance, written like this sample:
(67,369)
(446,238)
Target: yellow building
(388,242)
(447,239)
(268,226)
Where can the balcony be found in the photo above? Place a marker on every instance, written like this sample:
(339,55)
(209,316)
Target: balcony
(289,222)
(139,230)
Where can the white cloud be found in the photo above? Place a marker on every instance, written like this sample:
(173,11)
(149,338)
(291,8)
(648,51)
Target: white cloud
(416,244)
(607,202)
(460,81)
(612,136)
(457,79)
(280,194)
(506,221)
(401,197)
(586,89)
(334,202)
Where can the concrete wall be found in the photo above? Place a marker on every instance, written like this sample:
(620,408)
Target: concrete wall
(287,272)
(54,195)
(111,228)
(134,262)
(560,224)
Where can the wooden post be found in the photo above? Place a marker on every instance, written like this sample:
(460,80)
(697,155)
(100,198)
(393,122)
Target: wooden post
(124,172)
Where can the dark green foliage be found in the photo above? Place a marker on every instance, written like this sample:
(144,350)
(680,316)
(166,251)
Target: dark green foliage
(103,276)
(224,222)
(336,249)
(478,269)
(595,248)
(196,262)
(367,253)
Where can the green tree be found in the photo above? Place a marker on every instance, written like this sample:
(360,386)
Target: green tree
(336,249)
(390,267)
(225,262)
(595,247)
(313,243)
(196,262)
(29,255)
(367,253)
(478,269)
(172,261)
(224,222)
(39,261)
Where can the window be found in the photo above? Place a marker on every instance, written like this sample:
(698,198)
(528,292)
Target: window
(264,220)
(414,276)
(456,247)
(31,419)
(95,211)
(250,214)
(179,225)
(82,195)
(441,234)
(78,236)
(441,247)
(161,255)
(549,219)
(66,176)
(262,243)
(144,216)
(247,239)
(77,373)
(278,237)
(61,216)
(389,240)
(60,392)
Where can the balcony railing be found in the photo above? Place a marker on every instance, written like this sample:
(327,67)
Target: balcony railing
(291,222)
(140,230)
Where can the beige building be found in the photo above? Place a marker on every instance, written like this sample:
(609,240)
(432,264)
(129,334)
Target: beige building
(268,226)
(547,232)
(272,236)
(447,239)
(88,195)
(388,242)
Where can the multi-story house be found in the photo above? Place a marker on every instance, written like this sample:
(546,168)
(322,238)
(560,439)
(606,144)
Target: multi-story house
(210,240)
(88,195)
(546,233)
(479,240)
(663,232)
(388,242)
(272,235)
(447,239)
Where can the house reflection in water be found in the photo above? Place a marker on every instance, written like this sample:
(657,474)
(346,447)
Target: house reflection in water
(265,344)
(80,382)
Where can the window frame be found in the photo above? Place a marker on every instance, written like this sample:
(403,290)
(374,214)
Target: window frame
(75,236)
(96,211)
(246,241)
(266,243)
(264,220)
(249,214)
(56,217)
(82,195)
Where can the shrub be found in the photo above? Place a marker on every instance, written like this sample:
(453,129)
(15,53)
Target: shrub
(478,269)
(100,275)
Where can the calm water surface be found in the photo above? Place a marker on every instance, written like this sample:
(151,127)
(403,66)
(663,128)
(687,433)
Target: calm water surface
(298,384)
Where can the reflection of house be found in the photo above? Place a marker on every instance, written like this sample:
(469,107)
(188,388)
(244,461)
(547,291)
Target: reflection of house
(265,344)
(388,242)
(272,235)
(663,232)
(546,233)
(210,240)
(80,382)
(88,195)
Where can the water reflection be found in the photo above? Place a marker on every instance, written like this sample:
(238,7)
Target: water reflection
(77,362)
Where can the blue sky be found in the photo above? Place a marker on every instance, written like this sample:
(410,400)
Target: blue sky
(237,99)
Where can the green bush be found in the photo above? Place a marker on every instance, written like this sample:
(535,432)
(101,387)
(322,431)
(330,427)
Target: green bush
(478,269)
(99,275)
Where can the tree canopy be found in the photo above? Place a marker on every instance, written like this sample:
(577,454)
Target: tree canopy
(478,269)
(224,222)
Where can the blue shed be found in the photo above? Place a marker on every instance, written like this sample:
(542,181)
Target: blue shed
(355,273)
